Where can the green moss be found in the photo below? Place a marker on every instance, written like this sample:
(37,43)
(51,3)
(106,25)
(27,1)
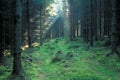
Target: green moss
(4,72)
(87,63)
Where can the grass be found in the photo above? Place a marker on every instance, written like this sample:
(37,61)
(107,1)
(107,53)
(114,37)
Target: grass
(86,63)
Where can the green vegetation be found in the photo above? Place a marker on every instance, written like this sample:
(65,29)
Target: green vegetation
(61,59)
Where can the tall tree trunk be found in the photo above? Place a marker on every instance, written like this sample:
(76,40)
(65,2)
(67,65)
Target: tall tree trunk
(95,20)
(28,26)
(17,36)
(66,19)
(42,16)
(114,37)
(91,26)
(2,29)
(102,18)
(98,18)
(41,31)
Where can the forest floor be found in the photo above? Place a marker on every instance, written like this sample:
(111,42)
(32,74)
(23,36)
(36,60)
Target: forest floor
(60,59)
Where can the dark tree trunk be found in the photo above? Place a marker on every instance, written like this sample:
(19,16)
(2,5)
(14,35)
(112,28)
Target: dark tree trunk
(28,26)
(41,31)
(1,39)
(91,26)
(18,28)
(114,25)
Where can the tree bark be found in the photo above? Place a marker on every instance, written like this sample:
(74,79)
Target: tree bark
(17,36)
(28,26)
(91,26)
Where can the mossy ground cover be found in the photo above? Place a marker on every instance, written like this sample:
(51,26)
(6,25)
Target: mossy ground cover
(76,61)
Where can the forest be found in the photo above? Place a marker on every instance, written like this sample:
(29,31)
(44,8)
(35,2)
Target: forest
(60,40)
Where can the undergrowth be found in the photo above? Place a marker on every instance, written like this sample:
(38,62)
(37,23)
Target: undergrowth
(76,61)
